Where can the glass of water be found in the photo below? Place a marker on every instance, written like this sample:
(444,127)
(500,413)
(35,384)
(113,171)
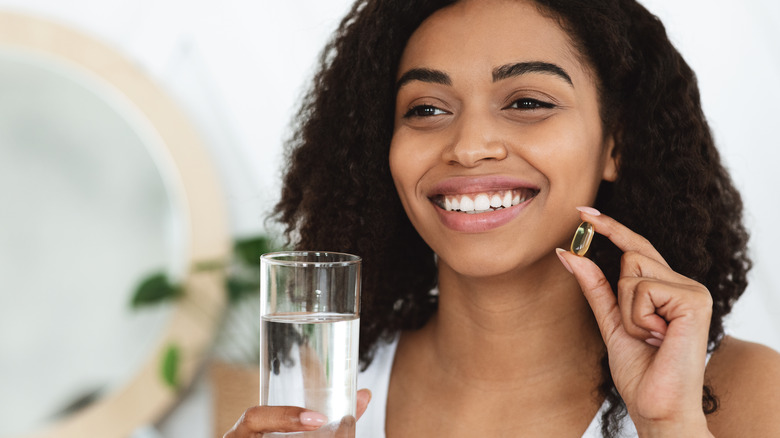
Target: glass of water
(310,320)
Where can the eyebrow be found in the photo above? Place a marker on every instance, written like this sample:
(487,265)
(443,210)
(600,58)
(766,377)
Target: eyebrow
(499,73)
(521,68)
(424,75)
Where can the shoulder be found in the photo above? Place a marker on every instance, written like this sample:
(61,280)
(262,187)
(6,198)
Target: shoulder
(745,378)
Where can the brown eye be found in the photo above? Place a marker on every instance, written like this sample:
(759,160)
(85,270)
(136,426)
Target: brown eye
(530,104)
(424,111)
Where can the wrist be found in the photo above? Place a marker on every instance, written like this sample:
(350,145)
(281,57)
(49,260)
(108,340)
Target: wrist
(667,429)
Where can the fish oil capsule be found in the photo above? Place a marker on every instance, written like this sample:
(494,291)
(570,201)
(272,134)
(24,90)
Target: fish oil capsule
(582,238)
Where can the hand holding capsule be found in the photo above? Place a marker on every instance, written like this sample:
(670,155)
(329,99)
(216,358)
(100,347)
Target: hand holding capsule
(655,329)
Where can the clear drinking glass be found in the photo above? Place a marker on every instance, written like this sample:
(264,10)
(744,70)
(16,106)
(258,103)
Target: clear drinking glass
(310,314)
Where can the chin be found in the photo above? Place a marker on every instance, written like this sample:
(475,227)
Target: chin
(487,262)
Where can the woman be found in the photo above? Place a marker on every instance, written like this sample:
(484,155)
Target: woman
(456,146)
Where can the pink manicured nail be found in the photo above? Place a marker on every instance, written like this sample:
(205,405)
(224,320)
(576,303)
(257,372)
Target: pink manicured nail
(311,418)
(654,342)
(589,210)
(558,252)
(658,335)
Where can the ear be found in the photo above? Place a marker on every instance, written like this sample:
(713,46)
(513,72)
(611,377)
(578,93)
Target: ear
(610,160)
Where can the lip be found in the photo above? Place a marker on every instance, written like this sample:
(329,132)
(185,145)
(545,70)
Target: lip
(481,222)
(466,185)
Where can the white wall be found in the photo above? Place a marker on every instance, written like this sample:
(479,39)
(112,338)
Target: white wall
(237,68)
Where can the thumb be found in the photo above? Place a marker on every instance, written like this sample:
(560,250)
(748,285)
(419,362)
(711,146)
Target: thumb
(363,397)
(596,289)
(346,427)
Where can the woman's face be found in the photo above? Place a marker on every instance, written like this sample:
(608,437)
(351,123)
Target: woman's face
(497,136)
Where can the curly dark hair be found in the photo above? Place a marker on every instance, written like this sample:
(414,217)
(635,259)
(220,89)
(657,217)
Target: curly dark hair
(671,188)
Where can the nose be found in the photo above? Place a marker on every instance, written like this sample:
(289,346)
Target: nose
(476,140)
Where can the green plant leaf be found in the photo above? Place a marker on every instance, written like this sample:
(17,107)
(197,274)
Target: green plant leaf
(169,367)
(210,265)
(240,288)
(154,289)
(250,249)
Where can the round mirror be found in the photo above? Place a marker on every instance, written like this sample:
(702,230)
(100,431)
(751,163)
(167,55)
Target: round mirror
(104,181)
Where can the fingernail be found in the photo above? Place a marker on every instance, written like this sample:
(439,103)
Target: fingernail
(658,335)
(589,210)
(311,418)
(558,252)
(654,342)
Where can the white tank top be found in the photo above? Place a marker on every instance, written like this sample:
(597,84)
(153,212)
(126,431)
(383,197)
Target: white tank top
(377,379)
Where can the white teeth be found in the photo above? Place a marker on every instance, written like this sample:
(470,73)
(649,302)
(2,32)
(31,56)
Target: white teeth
(466,204)
(481,202)
(507,201)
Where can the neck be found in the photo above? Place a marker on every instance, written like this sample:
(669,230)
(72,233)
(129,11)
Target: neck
(514,327)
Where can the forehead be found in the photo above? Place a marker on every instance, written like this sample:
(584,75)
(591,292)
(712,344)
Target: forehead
(482,34)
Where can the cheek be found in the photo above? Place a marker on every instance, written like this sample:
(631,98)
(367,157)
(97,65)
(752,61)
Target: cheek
(570,154)
(410,161)
(395,158)
(411,156)
(402,169)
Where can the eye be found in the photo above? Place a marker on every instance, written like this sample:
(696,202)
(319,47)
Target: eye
(527,103)
(424,111)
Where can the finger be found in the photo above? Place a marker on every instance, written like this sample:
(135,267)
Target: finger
(634,264)
(597,291)
(643,290)
(687,306)
(363,397)
(346,428)
(347,425)
(638,299)
(622,236)
(658,304)
(267,419)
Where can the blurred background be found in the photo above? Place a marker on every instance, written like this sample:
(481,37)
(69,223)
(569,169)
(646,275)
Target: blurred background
(82,222)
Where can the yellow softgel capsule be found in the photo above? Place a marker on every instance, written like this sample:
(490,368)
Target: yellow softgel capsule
(582,238)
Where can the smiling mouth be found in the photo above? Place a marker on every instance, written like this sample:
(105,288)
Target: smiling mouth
(483,202)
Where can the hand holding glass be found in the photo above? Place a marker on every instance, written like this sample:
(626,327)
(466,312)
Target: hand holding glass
(310,312)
